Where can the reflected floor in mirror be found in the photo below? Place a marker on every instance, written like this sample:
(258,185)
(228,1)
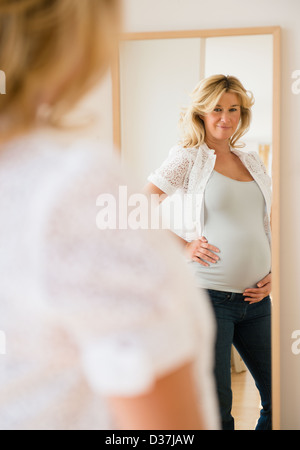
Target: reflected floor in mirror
(246,401)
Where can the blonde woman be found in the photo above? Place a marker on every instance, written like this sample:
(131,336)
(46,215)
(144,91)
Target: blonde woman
(229,246)
(98,333)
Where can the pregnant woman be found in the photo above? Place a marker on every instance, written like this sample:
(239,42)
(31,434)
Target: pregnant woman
(229,247)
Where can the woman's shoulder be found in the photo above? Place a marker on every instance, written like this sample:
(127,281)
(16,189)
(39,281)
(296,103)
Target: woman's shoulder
(42,139)
(57,169)
(186,152)
(253,159)
(57,151)
(255,164)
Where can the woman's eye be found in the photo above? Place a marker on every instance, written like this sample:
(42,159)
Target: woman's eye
(217,109)
(233,110)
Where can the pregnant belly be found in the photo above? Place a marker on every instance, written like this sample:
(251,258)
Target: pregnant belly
(244,261)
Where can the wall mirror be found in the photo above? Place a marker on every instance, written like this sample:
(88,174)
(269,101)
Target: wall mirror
(152,79)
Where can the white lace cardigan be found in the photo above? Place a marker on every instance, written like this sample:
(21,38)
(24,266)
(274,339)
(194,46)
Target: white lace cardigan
(87,313)
(187,171)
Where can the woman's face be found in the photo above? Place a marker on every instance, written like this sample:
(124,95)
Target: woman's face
(222,123)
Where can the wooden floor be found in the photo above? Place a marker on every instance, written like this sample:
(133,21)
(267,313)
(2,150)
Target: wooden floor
(246,401)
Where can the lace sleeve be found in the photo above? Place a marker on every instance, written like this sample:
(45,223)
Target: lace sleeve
(259,168)
(120,294)
(173,173)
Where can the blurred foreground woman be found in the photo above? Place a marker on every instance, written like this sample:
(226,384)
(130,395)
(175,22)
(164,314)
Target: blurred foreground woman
(102,328)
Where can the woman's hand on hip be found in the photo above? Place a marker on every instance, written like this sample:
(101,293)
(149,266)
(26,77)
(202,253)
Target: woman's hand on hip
(202,252)
(258,294)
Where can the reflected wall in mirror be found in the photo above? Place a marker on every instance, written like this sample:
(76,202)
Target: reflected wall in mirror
(158,75)
(154,76)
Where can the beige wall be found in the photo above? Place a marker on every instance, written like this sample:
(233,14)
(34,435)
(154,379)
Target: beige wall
(163,15)
(153,91)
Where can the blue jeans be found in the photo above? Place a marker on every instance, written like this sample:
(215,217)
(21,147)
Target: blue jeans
(248,328)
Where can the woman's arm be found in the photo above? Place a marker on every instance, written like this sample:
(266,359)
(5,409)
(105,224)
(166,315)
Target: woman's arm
(171,405)
(151,189)
(199,250)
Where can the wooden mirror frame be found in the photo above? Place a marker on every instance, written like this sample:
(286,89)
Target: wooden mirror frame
(276,33)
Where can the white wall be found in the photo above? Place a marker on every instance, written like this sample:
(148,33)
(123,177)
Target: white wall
(163,15)
(249,58)
(153,91)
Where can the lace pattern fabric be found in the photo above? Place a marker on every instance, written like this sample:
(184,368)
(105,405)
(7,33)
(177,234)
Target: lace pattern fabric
(87,313)
(188,170)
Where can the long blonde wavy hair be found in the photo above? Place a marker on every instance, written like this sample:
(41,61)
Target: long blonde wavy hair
(205,97)
(51,51)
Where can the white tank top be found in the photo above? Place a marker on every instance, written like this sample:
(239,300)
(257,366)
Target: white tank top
(234,222)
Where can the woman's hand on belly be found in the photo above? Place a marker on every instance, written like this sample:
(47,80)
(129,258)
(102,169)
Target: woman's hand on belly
(258,294)
(202,252)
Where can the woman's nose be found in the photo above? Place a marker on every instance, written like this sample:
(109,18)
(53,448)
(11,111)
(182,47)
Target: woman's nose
(225,118)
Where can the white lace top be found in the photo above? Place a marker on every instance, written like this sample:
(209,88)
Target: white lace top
(186,172)
(86,313)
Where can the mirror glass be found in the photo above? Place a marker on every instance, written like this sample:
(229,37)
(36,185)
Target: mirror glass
(157,77)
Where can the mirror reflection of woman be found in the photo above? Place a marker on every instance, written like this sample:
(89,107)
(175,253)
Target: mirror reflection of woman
(229,248)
